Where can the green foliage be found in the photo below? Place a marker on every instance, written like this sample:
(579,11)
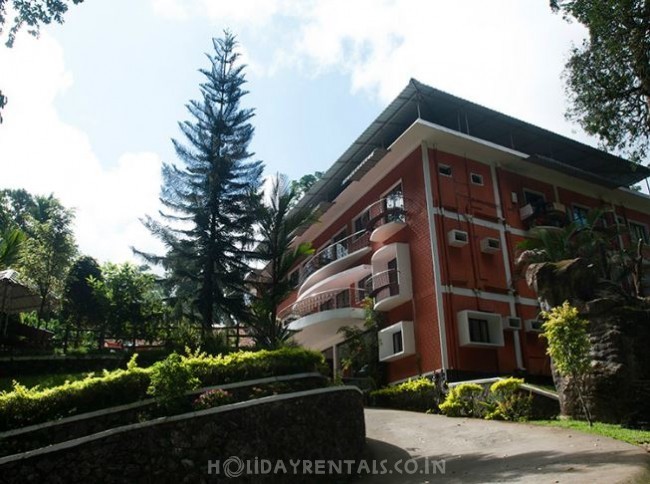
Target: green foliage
(33,14)
(130,302)
(302,186)
(47,253)
(361,347)
(213,398)
(23,406)
(569,347)
(508,402)
(167,379)
(277,225)
(465,400)
(249,365)
(607,77)
(419,395)
(212,197)
(568,340)
(11,241)
(170,380)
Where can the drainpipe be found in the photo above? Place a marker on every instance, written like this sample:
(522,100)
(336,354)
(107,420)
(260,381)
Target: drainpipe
(435,260)
(506,263)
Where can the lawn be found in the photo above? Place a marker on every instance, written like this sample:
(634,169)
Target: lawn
(44,381)
(632,436)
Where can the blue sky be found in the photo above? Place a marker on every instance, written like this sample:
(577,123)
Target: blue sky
(93,103)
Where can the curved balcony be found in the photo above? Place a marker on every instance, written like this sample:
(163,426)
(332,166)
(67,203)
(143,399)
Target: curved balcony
(317,319)
(386,217)
(333,259)
(390,284)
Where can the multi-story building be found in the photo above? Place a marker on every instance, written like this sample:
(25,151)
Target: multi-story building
(423,213)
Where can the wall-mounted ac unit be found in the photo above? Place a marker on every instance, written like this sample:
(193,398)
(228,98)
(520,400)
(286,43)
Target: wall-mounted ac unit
(511,323)
(457,238)
(490,245)
(533,325)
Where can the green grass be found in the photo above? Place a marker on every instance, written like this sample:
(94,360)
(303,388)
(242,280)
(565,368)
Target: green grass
(43,381)
(631,436)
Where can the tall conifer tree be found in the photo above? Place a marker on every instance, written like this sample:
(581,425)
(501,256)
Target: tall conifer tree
(212,197)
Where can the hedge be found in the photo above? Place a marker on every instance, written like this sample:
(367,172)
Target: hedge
(420,395)
(22,406)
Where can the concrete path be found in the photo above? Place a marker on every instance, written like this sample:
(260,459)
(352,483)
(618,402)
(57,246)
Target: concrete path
(480,451)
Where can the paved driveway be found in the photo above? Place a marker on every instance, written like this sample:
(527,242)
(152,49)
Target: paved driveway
(479,451)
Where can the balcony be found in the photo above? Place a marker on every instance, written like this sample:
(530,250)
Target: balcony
(386,217)
(318,318)
(390,284)
(547,215)
(333,259)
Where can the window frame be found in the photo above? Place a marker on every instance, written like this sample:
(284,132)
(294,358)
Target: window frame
(443,166)
(480,177)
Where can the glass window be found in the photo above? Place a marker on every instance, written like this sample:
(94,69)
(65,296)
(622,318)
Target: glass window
(476,179)
(444,170)
(533,198)
(579,215)
(398,343)
(363,289)
(361,222)
(294,278)
(479,330)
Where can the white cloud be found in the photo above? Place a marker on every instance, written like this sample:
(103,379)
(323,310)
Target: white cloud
(41,153)
(507,55)
(172,9)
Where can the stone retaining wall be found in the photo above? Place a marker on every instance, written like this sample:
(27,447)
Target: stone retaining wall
(316,424)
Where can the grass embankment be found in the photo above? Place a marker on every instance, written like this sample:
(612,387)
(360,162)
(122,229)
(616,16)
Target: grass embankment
(631,436)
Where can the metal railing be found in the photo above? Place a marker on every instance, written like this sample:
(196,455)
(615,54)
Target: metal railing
(323,301)
(383,284)
(333,252)
(386,210)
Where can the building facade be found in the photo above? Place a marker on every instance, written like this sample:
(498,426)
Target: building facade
(424,212)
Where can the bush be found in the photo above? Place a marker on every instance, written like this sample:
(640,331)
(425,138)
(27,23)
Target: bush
(508,402)
(23,406)
(504,400)
(170,380)
(464,400)
(419,395)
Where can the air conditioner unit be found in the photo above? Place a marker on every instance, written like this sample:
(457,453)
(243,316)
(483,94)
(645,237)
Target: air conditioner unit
(490,245)
(534,325)
(511,323)
(457,238)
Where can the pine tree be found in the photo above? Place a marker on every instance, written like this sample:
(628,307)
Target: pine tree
(213,196)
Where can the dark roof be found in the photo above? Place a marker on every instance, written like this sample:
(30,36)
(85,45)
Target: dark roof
(418,100)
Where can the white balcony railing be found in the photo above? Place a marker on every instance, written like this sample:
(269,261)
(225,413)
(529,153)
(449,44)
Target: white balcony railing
(323,301)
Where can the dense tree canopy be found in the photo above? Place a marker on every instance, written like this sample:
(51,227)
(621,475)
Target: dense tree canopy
(212,196)
(608,75)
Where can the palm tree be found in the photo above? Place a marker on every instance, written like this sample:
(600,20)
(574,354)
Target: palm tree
(10,243)
(277,225)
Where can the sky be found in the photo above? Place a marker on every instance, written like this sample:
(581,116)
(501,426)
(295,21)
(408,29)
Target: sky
(94,103)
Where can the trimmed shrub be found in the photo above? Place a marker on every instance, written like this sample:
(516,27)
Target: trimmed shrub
(464,400)
(419,395)
(22,406)
(170,380)
(507,401)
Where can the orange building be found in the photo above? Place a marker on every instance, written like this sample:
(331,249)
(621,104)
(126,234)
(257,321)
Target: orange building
(423,213)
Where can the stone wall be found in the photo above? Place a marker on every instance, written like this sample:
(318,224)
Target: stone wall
(316,424)
(619,384)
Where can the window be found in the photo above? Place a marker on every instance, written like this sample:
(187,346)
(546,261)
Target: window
(479,330)
(579,215)
(476,179)
(393,287)
(394,205)
(294,278)
(534,198)
(363,289)
(398,343)
(639,232)
(361,222)
(343,299)
(444,170)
